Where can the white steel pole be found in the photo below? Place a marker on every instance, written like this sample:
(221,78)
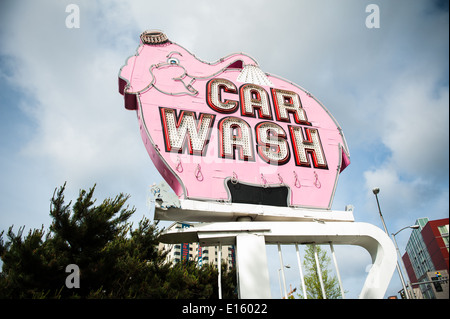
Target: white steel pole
(337,270)
(219,266)
(301,272)
(319,271)
(279,281)
(282,270)
(252,269)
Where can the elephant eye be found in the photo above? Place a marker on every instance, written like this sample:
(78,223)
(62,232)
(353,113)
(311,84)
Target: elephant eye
(172,61)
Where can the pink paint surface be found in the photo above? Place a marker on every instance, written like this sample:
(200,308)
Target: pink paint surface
(167,75)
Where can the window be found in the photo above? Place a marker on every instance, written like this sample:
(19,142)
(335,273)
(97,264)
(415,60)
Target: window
(437,285)
(444,233)
(443,230)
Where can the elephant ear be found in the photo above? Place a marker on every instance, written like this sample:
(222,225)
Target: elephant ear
(130,99)
(134,78)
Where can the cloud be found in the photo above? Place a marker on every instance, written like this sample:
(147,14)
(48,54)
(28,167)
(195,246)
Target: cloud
(416,127)
(65,84)
(82,128)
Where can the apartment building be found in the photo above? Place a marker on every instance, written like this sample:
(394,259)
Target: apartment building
(426,257)
(196,252)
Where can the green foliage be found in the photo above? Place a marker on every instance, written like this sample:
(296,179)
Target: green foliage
(312,282)
(115,261)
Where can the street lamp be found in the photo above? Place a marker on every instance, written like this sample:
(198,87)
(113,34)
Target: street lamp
(284,281)
(376,190)
(411,291)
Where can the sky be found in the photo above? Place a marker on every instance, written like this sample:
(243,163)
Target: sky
(62,118)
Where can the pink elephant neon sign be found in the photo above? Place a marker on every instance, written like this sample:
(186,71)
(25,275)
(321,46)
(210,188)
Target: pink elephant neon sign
(226,131)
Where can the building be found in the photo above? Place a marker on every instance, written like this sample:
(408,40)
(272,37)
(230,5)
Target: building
(194,251)
(426,257)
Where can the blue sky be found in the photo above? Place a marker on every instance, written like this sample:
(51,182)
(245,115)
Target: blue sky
(62,118)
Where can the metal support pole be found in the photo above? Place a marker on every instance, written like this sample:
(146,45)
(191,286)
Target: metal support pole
(219,268)
(279,281)
(282,270)
(337,270)
(410,291)
(376,191)
(319,271)
(302,279)
(252,269)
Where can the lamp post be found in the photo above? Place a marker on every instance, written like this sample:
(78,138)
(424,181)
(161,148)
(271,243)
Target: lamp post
(411,291)
(376,191)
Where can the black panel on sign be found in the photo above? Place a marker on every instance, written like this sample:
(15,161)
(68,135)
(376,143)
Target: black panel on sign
(248,194)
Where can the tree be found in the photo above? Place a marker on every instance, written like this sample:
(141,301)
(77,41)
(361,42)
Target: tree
(312,281)
(115,261)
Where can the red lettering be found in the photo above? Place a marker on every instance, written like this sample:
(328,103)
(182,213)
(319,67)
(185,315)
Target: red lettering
(185,131)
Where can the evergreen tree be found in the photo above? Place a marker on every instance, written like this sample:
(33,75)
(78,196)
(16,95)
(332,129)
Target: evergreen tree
(115,261)
(312,282)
